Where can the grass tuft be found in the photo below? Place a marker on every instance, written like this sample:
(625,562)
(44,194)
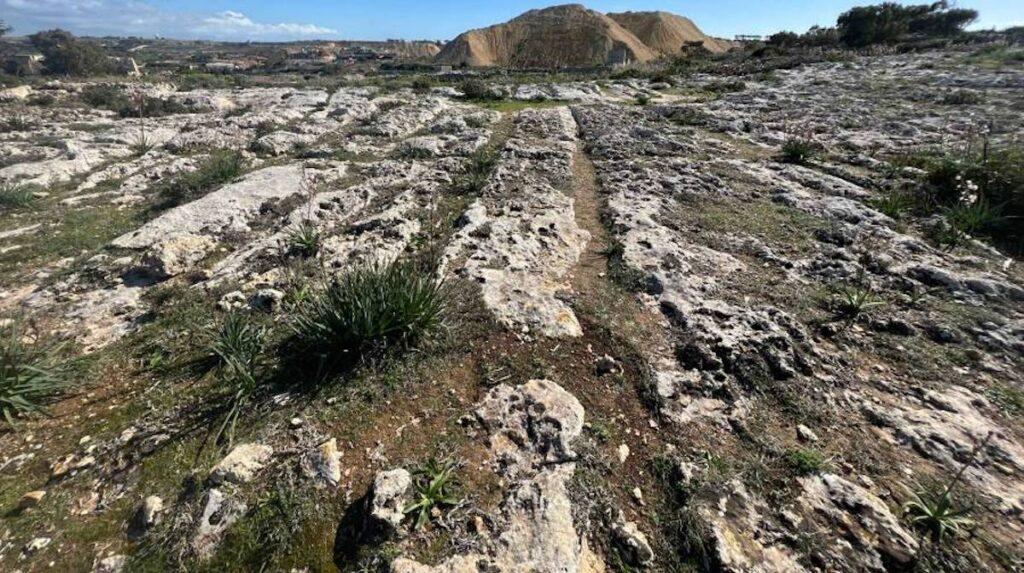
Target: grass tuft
(799,151)
(370,310)
(478,172)
(30,373)
(303,240)
(14,196)
(237,353)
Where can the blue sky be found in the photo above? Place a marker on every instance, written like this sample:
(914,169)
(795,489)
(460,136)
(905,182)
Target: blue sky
(410,19)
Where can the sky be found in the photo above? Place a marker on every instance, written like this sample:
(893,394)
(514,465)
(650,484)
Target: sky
(277,20)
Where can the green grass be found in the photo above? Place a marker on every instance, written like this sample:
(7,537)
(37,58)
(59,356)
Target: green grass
(14,196)
(30,373)
(369,310)
(220,168)
(805,461)
(511,106)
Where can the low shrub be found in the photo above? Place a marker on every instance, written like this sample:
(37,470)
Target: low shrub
(805,462)
(478,90)
(369,310)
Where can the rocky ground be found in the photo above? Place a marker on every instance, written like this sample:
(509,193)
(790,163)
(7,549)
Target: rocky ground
(650,358)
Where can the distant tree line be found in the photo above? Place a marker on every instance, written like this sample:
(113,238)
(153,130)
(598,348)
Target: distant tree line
(882,24)
(66,55)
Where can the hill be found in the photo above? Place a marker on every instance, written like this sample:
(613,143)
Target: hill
(666,33)
(562,36)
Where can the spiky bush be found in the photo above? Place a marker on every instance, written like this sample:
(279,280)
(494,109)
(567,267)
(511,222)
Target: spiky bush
(370,309)
(30,373)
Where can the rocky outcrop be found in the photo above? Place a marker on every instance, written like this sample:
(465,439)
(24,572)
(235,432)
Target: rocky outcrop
(520,240)
(530,431)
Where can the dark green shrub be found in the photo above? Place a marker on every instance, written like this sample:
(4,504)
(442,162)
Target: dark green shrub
(30,373)
(890,22)
(64,54)
(478,90)
(105,96)
(369,310)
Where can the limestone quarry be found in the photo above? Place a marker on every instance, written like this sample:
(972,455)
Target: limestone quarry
(663,340)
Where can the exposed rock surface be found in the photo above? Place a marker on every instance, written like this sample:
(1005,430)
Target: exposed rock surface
(520,240)
(569,35)
(531,429)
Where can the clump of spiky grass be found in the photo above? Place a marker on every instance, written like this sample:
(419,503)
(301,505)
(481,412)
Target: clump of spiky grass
(30,372)
(799,151)
(855,298)
(368,310)
(478,171)
(303,240)
(14,196)
(433,483)
(237,353)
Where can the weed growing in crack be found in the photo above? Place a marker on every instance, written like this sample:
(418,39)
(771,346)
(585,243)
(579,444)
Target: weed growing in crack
(934,513)
(237,352)
(30,372)
(369,310)
(433,483)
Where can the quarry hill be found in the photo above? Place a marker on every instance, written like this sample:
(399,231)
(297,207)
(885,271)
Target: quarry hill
(573,35)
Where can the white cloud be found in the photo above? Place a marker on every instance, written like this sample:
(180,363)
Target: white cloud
(140,18)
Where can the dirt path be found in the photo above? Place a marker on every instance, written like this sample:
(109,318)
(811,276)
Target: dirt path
(591,272)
